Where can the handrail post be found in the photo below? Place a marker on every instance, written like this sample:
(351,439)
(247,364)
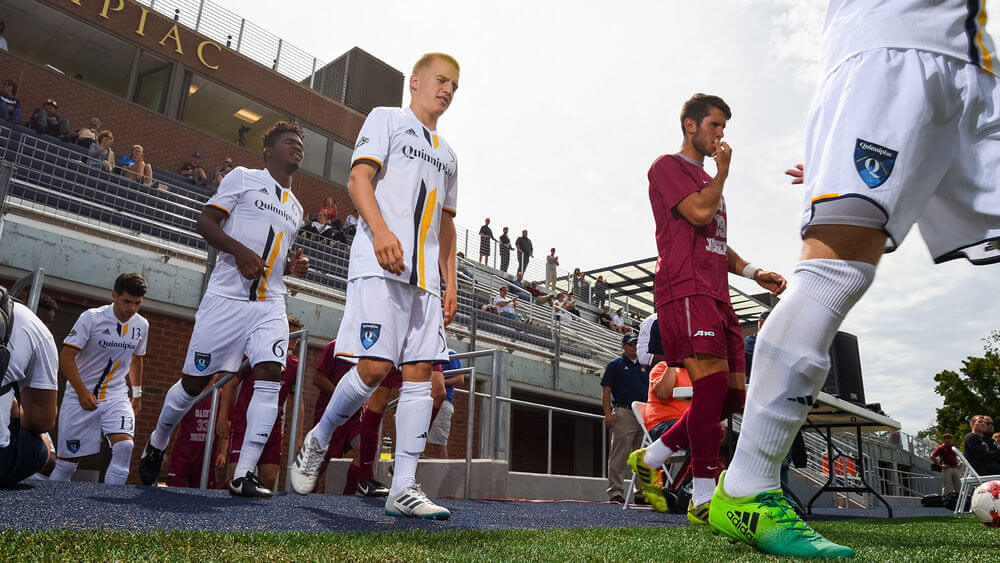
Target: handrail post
(293,434)
(469,420)
(206,458)
(548,450)
(604,451)
(197,21)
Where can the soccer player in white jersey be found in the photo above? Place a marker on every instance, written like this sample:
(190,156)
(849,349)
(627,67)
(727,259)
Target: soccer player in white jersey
(252,220)
(404,183)
(102,360)
(902,131)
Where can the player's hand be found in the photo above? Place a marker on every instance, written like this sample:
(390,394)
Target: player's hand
(88,401)
(250,264)
(389,252)
(722,157)
(796,174)
(136,404)
(298,265)
(770,281)
(450,305)
(220,457)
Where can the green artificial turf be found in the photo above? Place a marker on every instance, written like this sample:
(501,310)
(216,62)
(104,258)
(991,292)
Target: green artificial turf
(943,538)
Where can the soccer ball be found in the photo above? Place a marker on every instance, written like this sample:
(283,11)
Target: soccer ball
(986,503)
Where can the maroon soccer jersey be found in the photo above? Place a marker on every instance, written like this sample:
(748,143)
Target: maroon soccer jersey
(193,428)
(238,412)
(690,260)
(332,368)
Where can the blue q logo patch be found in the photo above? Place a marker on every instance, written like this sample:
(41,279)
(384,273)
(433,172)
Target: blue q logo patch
(73,446)
(369,334)
(202,361)
(874,162)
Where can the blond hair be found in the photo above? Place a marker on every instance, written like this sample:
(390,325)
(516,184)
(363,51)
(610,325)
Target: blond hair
(428,58)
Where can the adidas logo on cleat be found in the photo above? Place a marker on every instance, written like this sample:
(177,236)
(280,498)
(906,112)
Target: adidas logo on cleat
(745,523)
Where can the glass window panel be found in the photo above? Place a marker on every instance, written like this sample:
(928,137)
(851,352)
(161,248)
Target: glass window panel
(152,81)
(315,145)
(340,165)
(226,113)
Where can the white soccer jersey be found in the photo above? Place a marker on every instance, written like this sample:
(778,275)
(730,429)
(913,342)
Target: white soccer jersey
(106,346)
(33,363)
(417,180)
(265,218)
(949,27)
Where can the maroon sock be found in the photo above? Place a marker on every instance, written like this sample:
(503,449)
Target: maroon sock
(676,438)
(704,432)
(434,414)
(353,478)
(733,402)
(370,421)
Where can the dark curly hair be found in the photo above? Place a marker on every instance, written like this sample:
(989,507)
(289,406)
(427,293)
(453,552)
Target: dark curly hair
(132,284)
(279,129)
(700,105)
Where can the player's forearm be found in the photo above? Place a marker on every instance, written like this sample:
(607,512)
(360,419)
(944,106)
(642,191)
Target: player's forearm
(447,242)
(735,263)
(322,383)
(135,372)
(362,192)
(67,364)
(212,232)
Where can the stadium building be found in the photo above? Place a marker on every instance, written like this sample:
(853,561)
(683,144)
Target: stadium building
(194,85)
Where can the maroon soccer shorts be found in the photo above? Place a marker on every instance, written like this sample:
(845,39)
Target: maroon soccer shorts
(394,380)
(272,449)
(700,324)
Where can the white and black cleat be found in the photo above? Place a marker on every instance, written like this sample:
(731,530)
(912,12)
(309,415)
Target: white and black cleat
(305,470)
(249,486)
(411,502)
(149,465)
(372,488)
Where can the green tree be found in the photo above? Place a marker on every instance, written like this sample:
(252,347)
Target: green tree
(975,389)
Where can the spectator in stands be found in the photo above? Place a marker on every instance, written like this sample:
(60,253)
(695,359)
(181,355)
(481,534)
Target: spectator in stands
(580,285)
(194,171)
(979,448)
(506,304)
(662,409)
(139,170)
(524,251)
(559,307)
(46,121)
(540,296)
(462,268)
(11,105)
(100,152)
(996,438)
(220,171)
(551,264)
(319,227)
(485,237)
(600,293)
(618,323)
(605,318)
(3,40)
(570,305)
(504,251)
(624,381)
(944,456)
(87,136)
(520,288)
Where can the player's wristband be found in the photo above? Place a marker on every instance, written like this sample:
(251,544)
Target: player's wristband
(750,270)
(136,391)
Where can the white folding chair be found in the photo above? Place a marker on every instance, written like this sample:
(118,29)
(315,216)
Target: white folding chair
(639,410)
(970,480)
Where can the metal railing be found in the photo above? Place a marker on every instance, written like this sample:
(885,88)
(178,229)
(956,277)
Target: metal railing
(34,281)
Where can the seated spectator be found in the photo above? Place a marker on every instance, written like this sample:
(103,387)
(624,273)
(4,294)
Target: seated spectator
(10,104)
(331,215)
(319,227)
(618,323)
(606,318)
(139,170)
(559,307)
(460,262)
(100,152)
(221,171)
(46,121)
(662,409)
(87,136)
(505,304)
(979,447)
(570,305)
(351,221)
(194,171)
(540,296)
(517,287)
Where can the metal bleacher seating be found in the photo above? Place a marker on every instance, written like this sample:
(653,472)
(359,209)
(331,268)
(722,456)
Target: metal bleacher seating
(54,179)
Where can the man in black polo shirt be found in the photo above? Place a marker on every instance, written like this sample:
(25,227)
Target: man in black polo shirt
(979,448)
(624,381)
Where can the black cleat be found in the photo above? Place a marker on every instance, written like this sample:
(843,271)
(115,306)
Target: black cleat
(372,488)
(149,465)
(249,486)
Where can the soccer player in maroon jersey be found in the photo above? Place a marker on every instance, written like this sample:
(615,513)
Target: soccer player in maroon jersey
(189,449)
(698,327)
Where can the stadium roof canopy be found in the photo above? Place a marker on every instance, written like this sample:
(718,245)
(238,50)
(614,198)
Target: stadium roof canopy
(634,280)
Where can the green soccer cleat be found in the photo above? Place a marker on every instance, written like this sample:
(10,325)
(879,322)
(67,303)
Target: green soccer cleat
(768,521)
(650,479)
(698,515)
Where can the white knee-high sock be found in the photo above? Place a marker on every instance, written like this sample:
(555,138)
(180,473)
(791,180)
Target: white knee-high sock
(63,470)
(261,414)
(121,457)
(413,418)
(790,364)
(347,398)
(176,403)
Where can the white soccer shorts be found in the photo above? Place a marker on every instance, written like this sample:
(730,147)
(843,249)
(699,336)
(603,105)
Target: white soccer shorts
(80,430)
(898,137)
(392,321)
(226,329)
